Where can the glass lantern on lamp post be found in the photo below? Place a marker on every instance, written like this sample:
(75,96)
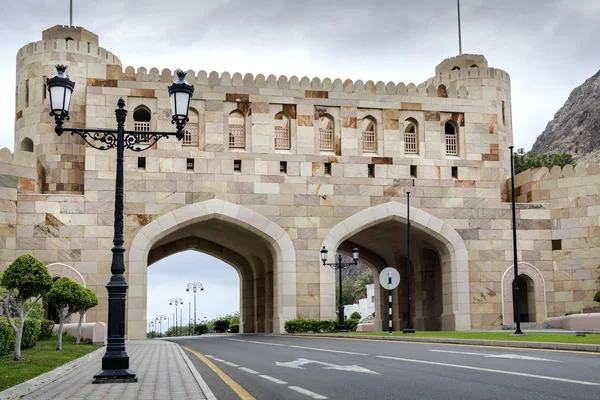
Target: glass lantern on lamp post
(115,362)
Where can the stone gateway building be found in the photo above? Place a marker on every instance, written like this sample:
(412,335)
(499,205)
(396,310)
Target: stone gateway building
(273,168)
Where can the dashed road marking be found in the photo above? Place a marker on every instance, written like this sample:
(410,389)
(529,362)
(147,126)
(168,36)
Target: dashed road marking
(506,356)
(237,340)
(307,393)
(497,371)
(274,380)
(250,371)
(267,343)
(328,350)
(230,364)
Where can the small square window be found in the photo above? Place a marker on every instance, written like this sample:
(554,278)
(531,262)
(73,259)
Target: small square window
(328,168)
(142,162)
(283,167)
(556,244)
(371,170)
(190,164)
(237,166)
(455,172)
(413,171)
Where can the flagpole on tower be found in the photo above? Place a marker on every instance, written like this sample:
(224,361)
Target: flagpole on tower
(459,35)
(71,13)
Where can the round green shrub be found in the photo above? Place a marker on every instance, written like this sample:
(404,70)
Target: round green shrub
(351,324)
(221,325)
(200,328)
(234,328)
(7,337)
(355,315)
(597,296)
(28,275)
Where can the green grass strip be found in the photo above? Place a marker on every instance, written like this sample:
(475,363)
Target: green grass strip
(41,358)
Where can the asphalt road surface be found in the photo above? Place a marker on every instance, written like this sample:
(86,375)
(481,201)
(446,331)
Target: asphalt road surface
(281,367)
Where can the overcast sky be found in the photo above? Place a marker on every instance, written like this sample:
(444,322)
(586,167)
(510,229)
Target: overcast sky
(547,46)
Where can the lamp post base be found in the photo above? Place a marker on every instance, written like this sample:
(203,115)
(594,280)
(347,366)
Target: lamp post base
(341,329)
(406,330)
(115,376)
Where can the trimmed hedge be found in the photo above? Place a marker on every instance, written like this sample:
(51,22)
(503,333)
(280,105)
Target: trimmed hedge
(355,315)
(46,329)
(234,328)
(200,328)
(302,325)
(7,337)
(597,297)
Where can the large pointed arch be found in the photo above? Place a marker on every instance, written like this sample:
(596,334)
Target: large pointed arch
(279,244)
(539,292)
(451,248)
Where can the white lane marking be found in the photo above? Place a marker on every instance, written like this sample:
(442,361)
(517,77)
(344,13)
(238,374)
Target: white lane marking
(270,344)
(299,362)
(550,378)
(274,380)
(218,359)
(307,393)
(250,371)
(330,351)
(506,356)
(230,364)
(237,340)
(207,356)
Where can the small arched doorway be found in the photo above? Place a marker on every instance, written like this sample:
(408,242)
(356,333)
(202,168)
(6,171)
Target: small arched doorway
(526,299)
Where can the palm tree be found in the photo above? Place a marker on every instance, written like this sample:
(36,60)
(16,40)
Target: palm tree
(360,284)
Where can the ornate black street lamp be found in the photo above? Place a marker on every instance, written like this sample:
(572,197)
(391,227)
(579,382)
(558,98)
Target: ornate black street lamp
(115,362)
(194,286)
(177,301)
(516,294)
(339,265)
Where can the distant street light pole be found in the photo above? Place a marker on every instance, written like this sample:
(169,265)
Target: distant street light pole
(339,265)
(161,318)
(177,301)
(516,294)
(194,286)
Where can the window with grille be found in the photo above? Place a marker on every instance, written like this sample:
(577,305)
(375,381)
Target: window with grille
(141,123)
(369,135)
(237,166)
(237,134)
(190,135)
(326,136)
(283,167)
(190,164)
(451,142)
(327,168)
(410,139)
(282,132)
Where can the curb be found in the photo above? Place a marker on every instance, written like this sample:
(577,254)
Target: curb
(593,348)
(34,383)
(201,382)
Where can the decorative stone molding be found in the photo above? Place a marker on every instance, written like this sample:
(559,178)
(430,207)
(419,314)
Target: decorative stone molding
(539,286)
(58,270)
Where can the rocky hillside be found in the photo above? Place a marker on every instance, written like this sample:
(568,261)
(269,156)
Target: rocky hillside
(576,126)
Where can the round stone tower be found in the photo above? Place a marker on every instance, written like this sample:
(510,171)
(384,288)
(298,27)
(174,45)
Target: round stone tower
(62,158)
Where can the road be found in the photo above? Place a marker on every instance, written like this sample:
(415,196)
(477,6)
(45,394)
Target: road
(283,367)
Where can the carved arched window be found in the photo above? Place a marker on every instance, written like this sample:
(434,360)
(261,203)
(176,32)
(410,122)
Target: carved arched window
(451,133)
(237,131)
(369,135)
(282,132)
(411,135)
(190,135)
(326,133)
(26,145)
(141,121)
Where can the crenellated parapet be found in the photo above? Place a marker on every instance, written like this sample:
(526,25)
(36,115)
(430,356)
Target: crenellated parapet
(67,46)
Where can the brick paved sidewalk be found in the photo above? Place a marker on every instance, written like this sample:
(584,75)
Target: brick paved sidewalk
(163,371)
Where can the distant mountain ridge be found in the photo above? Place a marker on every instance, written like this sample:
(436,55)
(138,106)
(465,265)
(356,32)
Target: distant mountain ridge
(576,126)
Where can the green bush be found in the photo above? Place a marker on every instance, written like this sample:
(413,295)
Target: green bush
(355,315)
(234,328)
(7,337)
(221,325)
(351,324)
(200,328)
(597,296)
(31,332)
(46,329)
